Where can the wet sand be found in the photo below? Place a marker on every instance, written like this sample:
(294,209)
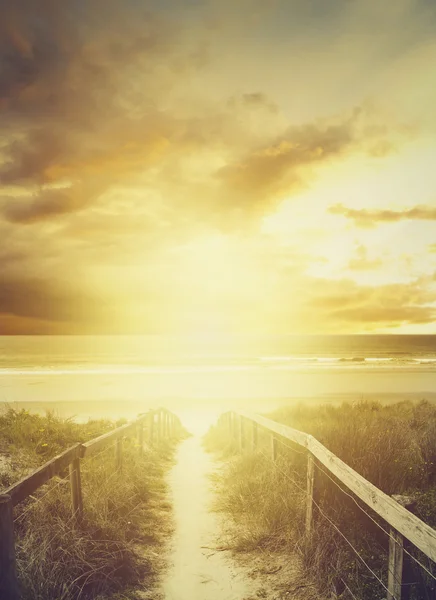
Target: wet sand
(196,571)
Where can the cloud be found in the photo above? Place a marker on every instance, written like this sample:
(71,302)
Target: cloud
(287,163)
(46,205)
(40,298)
(275,168)
(56,53)
(80,85)
(349,306)
(361,262)
(368,218)
(253,101)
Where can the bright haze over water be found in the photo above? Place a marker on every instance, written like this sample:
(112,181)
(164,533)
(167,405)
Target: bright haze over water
(201,376)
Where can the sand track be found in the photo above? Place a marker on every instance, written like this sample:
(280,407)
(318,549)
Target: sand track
(197,572)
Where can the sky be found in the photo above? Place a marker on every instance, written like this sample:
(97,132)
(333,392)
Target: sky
(207,166)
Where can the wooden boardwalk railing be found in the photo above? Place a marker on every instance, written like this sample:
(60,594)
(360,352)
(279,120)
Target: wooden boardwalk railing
(402,523)
(161,424)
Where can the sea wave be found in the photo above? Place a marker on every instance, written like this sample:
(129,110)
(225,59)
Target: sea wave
(289,363)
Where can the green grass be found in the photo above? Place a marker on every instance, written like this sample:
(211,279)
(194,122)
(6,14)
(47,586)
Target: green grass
(393,446)
(118,548)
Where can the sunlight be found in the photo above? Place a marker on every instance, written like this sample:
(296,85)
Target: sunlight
(214,282)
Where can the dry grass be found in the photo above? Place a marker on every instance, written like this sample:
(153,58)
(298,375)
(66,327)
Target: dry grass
(392,446)
(119,547)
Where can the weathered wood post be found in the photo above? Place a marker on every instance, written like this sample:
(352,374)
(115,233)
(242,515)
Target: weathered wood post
(76,489)
(309,494)
(235,428)
(241,433)
(163,422)
(255,437)
(141,438)
(119,453)
(151,428)
(400,569)
(159,425)
(395,568)
(9,587)
(273,448)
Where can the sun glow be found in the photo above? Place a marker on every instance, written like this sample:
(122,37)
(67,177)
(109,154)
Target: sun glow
(214,280)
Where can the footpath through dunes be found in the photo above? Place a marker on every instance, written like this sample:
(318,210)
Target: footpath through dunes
(198,571)
(200,567)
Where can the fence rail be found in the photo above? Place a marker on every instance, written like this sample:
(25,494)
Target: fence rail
(403,524)
(161,424)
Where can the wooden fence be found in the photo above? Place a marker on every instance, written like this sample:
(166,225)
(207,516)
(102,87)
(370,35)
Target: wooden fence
(403,525)
(160,424)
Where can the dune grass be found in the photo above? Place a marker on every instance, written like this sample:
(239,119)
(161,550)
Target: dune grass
(393,446)
(117,551)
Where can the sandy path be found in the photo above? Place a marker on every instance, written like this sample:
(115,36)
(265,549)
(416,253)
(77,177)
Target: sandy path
(196,572)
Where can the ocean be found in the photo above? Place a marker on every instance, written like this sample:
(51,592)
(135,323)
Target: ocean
(122,375)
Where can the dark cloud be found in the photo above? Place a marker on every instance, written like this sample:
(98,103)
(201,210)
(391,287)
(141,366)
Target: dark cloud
(350,305)
(276,168)
(42,298)
(368,218)
(47,205)
(79,84)
(253,100)
(61,58)
(30,159)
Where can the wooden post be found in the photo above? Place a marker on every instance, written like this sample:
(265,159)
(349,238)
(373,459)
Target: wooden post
(141,438)
(309,494)
(408,576)
(395,569)
(159,426)
(8,574)
(235,430)
(241,434)
(162,417)
(151,428)
(76,489)
(274,447)
(255,437)
(119,454)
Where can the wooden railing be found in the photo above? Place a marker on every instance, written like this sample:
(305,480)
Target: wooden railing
(161,424)
(403,524)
